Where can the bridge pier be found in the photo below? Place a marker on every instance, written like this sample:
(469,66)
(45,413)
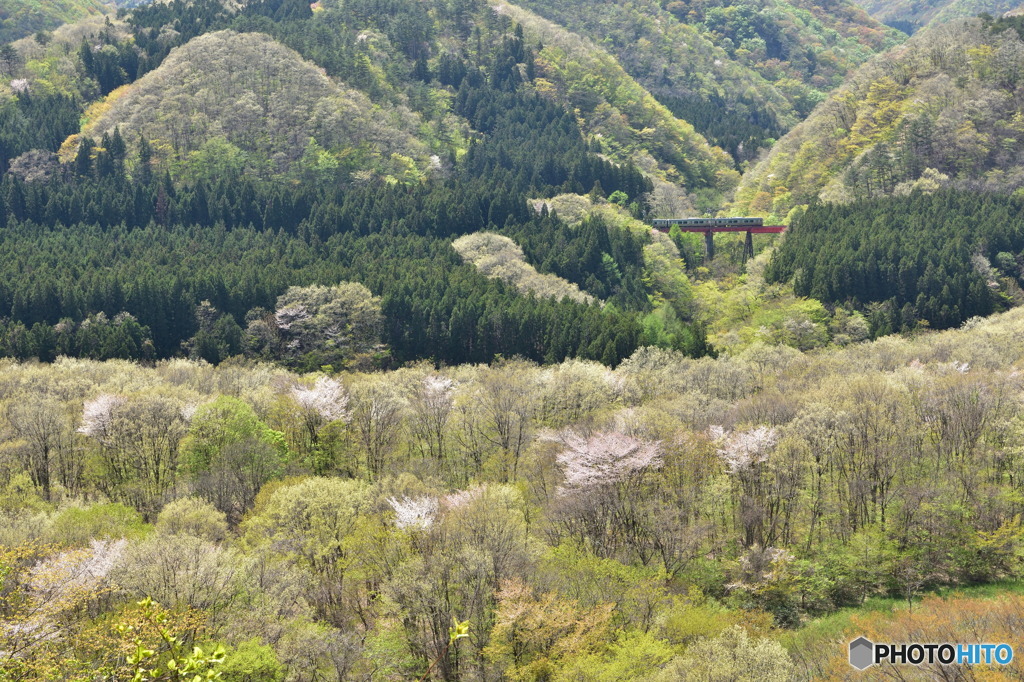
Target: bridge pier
(748,246)
(709,246)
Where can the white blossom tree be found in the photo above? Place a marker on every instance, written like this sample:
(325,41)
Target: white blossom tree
(603,501)
(431,409)
(326,402)
(744,454)
(98,415)
(742,449)
(414,513)
(604,457)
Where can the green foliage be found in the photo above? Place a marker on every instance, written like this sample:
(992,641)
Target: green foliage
(562,569)
(435,524)
(189,516)
(862,253)
(738,72)
(251,661)
(174,660)
(20,495)
(25,17)
(225,422)
(317,516)
(78,525)
(632,656)
(733,655)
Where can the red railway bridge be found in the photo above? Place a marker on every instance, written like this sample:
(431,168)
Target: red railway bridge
(709,226)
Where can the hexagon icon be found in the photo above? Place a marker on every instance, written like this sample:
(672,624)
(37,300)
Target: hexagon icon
(862,652)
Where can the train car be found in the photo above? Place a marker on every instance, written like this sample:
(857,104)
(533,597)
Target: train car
(708,222)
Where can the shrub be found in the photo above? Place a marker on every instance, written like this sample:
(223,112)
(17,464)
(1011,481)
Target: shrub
(79,525)
(191,516)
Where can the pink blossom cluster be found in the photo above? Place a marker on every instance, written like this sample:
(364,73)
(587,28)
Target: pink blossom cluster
(327,398)
(98,414)
(742,449)
(604,457)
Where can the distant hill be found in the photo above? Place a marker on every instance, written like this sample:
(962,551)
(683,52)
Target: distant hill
(631,124)
(911,15)
(246,99)
(940,111)
(20,18)
(763,62)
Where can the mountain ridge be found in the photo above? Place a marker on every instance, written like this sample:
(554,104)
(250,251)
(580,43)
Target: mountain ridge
(941,110)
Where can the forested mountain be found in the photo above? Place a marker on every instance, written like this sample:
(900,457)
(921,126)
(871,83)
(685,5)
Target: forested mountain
(910,16)
(779,41)
(629,122)
(742,73)
(19,18)
(944,110)
(230,102)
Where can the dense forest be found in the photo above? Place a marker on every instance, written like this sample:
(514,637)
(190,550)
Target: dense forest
(513,521)
(252,215)
(927,259)
(336,344)
(237,246)
(20,18)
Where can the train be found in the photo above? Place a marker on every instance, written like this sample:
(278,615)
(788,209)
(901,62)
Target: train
(708,222)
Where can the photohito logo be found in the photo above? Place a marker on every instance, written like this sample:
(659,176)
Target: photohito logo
(864,653)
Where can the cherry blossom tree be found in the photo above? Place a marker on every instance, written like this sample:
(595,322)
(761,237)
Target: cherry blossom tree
(741,450)
(603,502)
(744,454)
(98,415)
(414,513)
(326,402)
(603,457)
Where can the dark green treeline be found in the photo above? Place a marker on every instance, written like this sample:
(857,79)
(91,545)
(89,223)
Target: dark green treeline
(935,258)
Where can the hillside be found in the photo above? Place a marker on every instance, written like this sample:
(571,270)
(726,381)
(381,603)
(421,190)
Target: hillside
(941,111)
(245,100)
(766,64)
(683,69)
(912,15)
(19,18)
(392,79)
(629,122)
